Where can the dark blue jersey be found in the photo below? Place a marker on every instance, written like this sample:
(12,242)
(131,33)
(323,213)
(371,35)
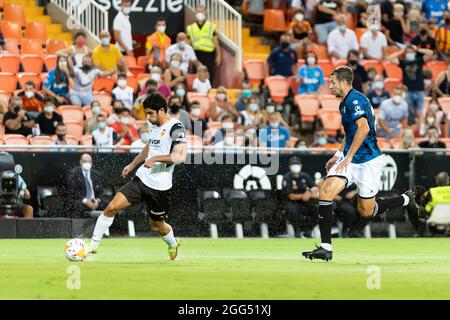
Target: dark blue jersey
(354,106)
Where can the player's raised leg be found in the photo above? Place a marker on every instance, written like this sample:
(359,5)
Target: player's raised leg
(332,186)
(165,230)
(105,220)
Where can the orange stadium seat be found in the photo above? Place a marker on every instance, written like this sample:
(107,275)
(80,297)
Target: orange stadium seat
(31,46)
(15,139)
(320,50)
(326,65)
(436,67)
(71,113)
(373,64)
(86,140)
(444,102)
(36,30)
(278,88)
(130,61)
(384,143)
(308,106)
(44,76)
(5,97)
(9,63)
(293,84)
(27,76)
(143,76)
(133,83)
(190,81)
(32,63)
(74,128)
(329,102)
(392,70)
(53,46)
(104,84)
(351,21)
(104,99)
(142,61)
(50,61)
(14,13)
(359,32)
(41,140)
(390,84)
(392,49)
(274,20)
(340,62)
(255,70)
(331,121)
(8,82)
(204,101)
(72,138)
(12,46)
(11,30)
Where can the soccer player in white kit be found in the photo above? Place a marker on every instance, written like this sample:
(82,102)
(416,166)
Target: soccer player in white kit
(153,180)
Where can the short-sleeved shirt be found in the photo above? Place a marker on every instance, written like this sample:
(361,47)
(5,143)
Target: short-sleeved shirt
(187,55)
(33,104)
(300,31)
(125,95)
(297,185)
(282,61)
(184,119)
(311,79)
(201,86)
(274,137)
(395,30)
(61,88)
(48,126)
(428,43)
(434,9)
(84,81)
(22,130)
(413,77)
(106,60)
(342,43)
(122,23)
(353,107)
(393,114)
(373,45)
(375,99)
(322,17)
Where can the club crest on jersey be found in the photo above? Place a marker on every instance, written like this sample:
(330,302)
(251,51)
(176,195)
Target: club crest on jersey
(358,111)
(162,133)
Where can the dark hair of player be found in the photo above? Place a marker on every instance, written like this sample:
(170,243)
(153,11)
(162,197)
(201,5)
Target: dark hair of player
(155,101)
(343,73)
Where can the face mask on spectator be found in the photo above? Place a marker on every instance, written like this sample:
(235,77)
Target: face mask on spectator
(200,16)
(299,17)
(145,136)
(432,137)
(17,108)
(195,112)
(122,83)
(156,77)
(433,107)
(181,45)
(96,109)
(175,107)
(410,56)
(227,125)
(125,120)
(322,141)
(105,41)
(247,93)
(342,27)
(430,120)
(80,42)
(181,92)
(29,94)
(86,166)
(311,60)
(62,64)
(296,168)
(270,109)
(374,27)
(61,136)
(423,32)
(161,29)
(48,109)
(253,107)
(175,63)
(378,85)
(408,141)
(221,96)
(126,10)
(285,44)
(101,125)
(397,99)
(275,124)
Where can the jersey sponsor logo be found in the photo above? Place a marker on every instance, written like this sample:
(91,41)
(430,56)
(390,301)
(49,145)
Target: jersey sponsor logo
(154,142)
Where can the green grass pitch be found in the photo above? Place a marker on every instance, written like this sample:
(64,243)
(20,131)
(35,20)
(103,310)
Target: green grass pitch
(139,268)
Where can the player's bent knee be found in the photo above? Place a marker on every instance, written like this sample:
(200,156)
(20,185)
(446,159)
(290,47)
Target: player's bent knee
(326,193)
(365,210)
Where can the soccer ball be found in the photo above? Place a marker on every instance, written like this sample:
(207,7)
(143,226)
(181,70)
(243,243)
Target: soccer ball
(76,250)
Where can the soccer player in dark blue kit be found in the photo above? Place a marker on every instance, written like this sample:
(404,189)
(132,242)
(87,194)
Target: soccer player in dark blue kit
(358,161)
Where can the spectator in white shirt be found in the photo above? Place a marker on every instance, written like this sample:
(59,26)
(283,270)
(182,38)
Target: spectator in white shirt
(201,83)
(123,92)
(103,135)
(342,39)
(122,28)
(373,43)
(185,50)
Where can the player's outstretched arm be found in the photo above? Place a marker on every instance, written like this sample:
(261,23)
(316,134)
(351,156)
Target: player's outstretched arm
(137,161)
(177,156)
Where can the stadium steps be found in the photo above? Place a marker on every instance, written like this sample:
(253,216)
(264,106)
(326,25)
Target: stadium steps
(253,47)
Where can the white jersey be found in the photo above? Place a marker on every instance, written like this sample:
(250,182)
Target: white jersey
(161,142)
(104,139)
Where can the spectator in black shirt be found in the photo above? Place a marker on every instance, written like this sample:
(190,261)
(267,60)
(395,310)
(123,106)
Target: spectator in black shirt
(413,78)
(387,9)
(48,119)
(16,120)
(397,26)
(326,11)
(377,94)
(423,40)
(433,139)
(360,80)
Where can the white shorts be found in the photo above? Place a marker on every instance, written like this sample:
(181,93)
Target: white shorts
(365,175)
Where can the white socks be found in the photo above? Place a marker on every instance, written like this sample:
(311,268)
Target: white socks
(326,246)
(406,198)
(103,223)
(170,239)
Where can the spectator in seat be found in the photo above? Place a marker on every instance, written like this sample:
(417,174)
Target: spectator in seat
(139,144)
(107,57)
(393,115)
(423,39)
(322,140)
(434,116)
(360,80)
(442,84)
(443,41)
(221,106)
(90,124)
(282,60)
(157,44)
(246,94)
(387,9)
(85,188)
(163,88)
(227,130)
(433,139)
(251,118)
(114,116)
(61,139)
(78,51)
(413,77)
(377,94)
(186,52)
(326,11)
(123,92)
(274,135)
(173,74)
(126,131)
(342,39)
(181,90)
(300,31)
(310,76)
(16,120)
(407,139)
(373,43)
(268,110)
(33,101)
(59,82)
(301,144)
(122,29)
(103,135)
(299,189)
(201,82)
(48,120)
(177,112)
(84,76)
(138,110)
(198,125)
(397,26)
